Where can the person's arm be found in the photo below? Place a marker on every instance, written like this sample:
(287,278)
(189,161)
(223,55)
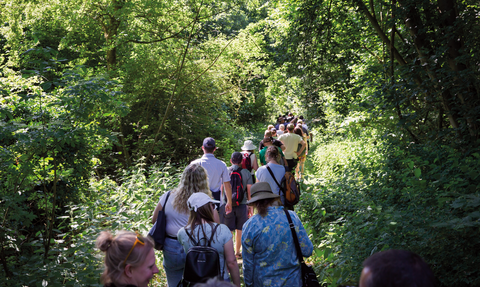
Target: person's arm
(283,147)
(155,213)
(249,196)
(228,192)
(232,262)
(302,142)
(255,164)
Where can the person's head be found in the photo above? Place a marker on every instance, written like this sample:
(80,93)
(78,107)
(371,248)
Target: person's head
(201,207)
(263,197)
(194,179)
(267,141)
(215,282)
(301,117)
(129,258)
(396,268)
(290,128)
(298,130)
(272,153)
(270,127)
(274,132)
(300,122)
(208,145)
(236,158)
(248,146)
(280,119)
(268,133)
(282,127)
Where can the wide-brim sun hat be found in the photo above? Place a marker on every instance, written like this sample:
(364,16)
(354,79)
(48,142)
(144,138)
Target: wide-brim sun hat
(261,190)
(199,199)
(248,145)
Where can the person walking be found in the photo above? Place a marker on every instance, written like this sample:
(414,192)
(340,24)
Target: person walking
(193,180)
(248,151)
(217,175)
(278,170)
(200,228)
(300,169)
(241,212)
(291,141)
(269,254)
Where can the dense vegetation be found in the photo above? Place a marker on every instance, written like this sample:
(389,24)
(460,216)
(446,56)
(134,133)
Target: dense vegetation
(104,102)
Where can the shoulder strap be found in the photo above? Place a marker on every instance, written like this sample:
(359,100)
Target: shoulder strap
(271,173)
(295,238)
(213,233)
(191,238)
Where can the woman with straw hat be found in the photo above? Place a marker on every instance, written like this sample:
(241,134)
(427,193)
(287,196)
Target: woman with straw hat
(269,255)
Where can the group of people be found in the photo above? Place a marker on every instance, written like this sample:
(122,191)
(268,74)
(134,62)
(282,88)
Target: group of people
(203,207)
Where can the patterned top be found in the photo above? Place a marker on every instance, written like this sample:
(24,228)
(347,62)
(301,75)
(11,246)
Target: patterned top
(269,256)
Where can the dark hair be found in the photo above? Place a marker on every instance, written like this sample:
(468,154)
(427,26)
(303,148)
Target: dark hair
(298,131)
(209,150)
(204,213)
(398,268)
(272,152)
(267,140)
(262,205)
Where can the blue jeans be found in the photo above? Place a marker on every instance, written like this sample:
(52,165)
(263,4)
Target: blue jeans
(173,261)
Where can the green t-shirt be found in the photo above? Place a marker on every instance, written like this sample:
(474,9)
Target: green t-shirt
(263,152)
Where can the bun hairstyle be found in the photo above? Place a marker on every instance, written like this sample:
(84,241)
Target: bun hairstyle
(116,250)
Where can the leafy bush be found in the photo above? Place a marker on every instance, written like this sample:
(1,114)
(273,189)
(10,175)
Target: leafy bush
(375,193)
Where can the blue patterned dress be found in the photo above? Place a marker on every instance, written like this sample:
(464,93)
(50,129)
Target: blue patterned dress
(268,250)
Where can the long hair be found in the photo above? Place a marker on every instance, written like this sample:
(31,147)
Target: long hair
(116,250)
(196,219)
(194,179)
(298,131)
(262,205)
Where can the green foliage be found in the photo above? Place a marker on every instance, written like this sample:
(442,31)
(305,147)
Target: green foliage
(373,193)
(47,148)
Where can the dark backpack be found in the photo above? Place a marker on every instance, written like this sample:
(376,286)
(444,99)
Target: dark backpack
(237,187)
(291,189)
(201,263)
(247,161)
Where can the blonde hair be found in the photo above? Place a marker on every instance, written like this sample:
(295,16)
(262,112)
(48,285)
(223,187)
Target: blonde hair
(194,179)
(116,250)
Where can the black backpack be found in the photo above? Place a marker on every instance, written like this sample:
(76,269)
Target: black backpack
(237,186)
(202,262)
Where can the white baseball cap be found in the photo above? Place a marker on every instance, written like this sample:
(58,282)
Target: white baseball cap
(199,199)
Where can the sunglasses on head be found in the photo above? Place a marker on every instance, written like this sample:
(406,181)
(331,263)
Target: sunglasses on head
(138,240)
